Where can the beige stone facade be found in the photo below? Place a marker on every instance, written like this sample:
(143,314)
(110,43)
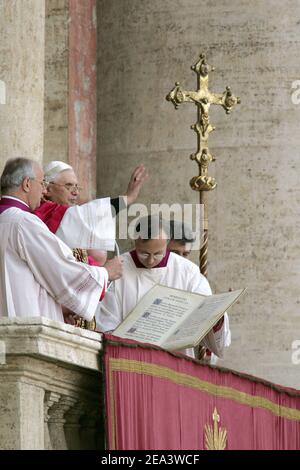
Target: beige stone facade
(143,48)
(254,217)
(22,64)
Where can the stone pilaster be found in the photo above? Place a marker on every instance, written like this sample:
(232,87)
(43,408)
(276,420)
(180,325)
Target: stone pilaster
(22,68)
(50,385)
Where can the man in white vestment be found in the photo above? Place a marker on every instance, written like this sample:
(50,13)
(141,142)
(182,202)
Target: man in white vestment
(89,229)
(89,226)
(151,263)
(38,271)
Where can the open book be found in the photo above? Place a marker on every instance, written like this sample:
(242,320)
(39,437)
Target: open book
(173,318)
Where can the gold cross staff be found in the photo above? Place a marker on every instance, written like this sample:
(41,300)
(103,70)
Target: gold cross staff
(203,98)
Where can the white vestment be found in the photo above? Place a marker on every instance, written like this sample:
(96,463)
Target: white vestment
(179,273)
(39,272)
(89,226)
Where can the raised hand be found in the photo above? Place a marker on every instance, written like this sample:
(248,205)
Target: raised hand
(136,181)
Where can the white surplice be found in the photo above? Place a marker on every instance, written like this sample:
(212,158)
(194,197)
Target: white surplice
(38,272)
(179,273)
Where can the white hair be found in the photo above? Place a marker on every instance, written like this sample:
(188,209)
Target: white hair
(53,169)
(15,170)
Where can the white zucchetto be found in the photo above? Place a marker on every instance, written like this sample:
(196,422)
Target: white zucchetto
(52,169)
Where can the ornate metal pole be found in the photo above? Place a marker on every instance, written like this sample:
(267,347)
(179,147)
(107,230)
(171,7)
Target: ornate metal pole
(203,98)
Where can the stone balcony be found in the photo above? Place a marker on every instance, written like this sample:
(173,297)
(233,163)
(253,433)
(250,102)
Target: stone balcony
(50,386)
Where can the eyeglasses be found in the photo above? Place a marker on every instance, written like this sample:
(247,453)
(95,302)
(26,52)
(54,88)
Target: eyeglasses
(69,186)
(42,183)
(157,257)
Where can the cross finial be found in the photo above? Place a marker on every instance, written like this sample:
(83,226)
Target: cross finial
(203,98)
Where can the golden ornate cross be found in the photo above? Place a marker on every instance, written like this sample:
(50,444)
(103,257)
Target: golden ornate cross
(203,98)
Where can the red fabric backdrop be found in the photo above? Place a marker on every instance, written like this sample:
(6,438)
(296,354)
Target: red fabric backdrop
(156,400)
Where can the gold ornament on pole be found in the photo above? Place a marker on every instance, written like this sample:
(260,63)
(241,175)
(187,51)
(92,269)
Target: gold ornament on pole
(203,98)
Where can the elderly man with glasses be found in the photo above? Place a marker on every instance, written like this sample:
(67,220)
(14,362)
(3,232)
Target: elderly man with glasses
(91,225)
(89,229)
(151,263)
(86,225)
(38,272)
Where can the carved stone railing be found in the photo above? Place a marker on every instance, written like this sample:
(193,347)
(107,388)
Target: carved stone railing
(50,386)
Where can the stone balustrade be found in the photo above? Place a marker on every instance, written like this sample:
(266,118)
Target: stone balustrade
(50,386)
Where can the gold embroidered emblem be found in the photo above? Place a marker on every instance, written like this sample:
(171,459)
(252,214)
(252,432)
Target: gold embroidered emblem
(215,437)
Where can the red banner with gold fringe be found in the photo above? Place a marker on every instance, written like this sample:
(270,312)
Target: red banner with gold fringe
(156,400)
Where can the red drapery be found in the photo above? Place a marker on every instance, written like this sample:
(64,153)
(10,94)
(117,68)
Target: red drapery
(156,400)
